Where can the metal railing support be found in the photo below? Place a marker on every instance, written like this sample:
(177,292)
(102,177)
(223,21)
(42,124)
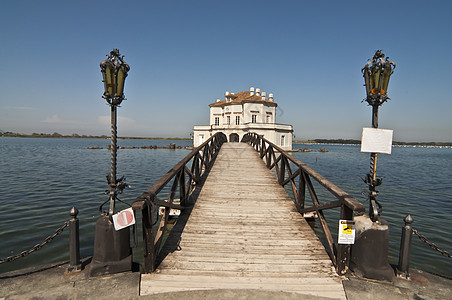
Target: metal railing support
(405,248)
(74,242)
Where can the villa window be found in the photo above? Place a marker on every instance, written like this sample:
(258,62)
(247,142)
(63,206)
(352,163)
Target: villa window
(253,118)
(217,121)
(237,120)
(283,140)
(228,120)
(268,118)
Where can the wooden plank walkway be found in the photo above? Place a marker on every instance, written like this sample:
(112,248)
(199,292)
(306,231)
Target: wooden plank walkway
(245,233)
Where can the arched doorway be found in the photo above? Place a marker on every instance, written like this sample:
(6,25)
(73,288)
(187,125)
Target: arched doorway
(234,138)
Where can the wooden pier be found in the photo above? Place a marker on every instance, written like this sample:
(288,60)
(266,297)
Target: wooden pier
(244,232)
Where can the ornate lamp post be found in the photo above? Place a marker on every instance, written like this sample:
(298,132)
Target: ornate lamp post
(114,72)
(369,253)
(377,73)
(112,253)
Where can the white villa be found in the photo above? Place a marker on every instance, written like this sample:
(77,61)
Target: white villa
(245,112)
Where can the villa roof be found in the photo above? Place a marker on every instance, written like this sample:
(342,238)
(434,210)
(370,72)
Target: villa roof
(243,97)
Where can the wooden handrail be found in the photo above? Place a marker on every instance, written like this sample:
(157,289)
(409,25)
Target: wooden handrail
(339,255)
(202,158)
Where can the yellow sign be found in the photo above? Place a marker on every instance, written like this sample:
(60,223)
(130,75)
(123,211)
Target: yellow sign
(346,232)
(347,229)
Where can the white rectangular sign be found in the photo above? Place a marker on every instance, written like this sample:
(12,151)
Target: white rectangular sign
(375,140)
(346,232)
(123,219)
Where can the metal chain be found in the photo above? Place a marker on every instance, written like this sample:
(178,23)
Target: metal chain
(37,246)
(432,245)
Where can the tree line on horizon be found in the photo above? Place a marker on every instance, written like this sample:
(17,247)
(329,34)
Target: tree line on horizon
(317,141)
(358,142)
(76,135)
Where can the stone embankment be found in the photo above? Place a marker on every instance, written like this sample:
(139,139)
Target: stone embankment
(53,282)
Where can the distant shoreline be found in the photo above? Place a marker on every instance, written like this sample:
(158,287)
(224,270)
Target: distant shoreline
(358,142)
(315,141)
(77,136)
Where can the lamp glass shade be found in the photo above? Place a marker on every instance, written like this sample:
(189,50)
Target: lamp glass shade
(103,67)
(110,79)
(367,81)
(375,79)
(120,80)
(385,78)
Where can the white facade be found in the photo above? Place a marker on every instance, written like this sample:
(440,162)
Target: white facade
(245,112)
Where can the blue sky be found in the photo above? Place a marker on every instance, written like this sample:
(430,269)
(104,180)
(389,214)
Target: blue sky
(185,54)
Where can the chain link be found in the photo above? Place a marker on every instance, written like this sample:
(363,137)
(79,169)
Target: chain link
(432,245)
(37,246)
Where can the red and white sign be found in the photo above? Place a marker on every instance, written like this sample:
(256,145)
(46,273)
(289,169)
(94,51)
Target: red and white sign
(123,219)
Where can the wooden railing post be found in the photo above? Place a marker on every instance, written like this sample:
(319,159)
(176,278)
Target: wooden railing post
(269,156)
(343,251)
(282,169)
(262,148)
(206,155)
(195,167)
(301,191)
(182,196)
(148,240)
(257,141)
(321,216)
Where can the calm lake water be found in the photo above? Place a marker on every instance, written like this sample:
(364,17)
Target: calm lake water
(41,179)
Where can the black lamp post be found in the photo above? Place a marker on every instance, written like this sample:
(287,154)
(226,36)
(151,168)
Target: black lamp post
(369,253)
(114,72)
(377,73)
(112,253)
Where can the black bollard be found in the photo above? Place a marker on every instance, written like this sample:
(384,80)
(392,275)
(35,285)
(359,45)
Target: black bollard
(112,252)
(74,242)
(405,248)
(369,254)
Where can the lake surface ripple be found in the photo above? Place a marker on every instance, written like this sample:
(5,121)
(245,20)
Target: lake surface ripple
(42,178)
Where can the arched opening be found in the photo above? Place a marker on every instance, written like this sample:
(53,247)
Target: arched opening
(234,138)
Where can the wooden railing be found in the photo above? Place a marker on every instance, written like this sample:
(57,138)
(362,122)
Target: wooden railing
(279,160)
(201,159)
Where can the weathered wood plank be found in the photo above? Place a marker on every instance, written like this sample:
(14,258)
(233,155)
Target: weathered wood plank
(245,233)
(194,255)
(283,268)
(300,276)
(189,262)
(326,287)
(243,250)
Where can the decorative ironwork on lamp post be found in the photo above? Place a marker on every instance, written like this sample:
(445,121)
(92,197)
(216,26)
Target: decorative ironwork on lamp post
(376,73)
(114,71)
(112,252)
